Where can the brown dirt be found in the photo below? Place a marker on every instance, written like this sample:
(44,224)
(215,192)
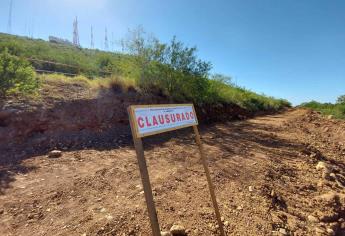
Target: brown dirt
(72,114)
(97,190)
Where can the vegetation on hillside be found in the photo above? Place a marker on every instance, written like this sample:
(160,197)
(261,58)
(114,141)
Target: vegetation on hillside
(84,61)
(336,110)
(171,69)
(16,75)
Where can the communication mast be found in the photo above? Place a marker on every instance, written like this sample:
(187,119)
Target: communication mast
(76,33)
(112,41)
(9,24)
(106,45)
(92,41)
(32,29)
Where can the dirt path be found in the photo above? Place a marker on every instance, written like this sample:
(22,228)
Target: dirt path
(274,175)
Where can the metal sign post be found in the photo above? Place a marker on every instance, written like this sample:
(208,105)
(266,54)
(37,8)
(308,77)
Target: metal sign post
(148,120)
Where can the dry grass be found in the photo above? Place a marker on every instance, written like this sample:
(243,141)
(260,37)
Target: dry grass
(115,83)
(62,79)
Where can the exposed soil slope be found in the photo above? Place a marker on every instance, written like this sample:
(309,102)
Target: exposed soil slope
(72,114)
(276,174)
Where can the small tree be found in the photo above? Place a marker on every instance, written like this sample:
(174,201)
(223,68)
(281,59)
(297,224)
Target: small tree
(224,79)
(105,62)
(341,99)
(16,75)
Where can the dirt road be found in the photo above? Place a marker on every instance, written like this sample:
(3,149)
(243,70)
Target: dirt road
(274,175)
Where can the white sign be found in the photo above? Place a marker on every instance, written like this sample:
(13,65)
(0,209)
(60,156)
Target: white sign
(155,119)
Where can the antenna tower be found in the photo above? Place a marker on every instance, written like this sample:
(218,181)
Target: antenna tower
(32,29)
(92,42)
(75,33)
(9,24)
(112,41)
(106,45)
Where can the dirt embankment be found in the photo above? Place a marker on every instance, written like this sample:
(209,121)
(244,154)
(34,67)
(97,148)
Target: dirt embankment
(73,116)
(274,175)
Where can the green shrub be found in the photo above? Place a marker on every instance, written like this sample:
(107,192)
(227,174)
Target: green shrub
(12,46)
(16,75)
(337,110)
(162,79)
(341,99)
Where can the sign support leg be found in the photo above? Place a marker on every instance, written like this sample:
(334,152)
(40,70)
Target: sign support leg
(138,144)
(210,185)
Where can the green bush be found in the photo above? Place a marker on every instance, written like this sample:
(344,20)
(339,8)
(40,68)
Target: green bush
(337,110)
(16,75)
(162,79)
(12,46)
(341,99)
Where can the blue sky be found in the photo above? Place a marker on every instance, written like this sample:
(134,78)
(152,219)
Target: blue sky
(293,49)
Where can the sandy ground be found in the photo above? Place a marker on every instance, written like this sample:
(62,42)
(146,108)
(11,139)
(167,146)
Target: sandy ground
(274,175)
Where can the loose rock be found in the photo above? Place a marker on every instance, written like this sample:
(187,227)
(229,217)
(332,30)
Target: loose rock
(55,154)
(319,231)
(313,219)
(273,193)
(282,231)
(321,165)
(330,232)
(332,176)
